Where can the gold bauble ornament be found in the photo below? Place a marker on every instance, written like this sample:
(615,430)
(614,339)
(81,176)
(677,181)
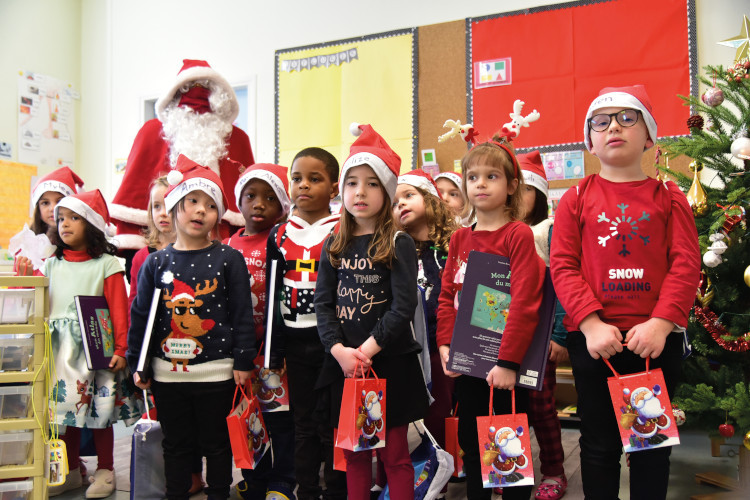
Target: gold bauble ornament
(746,441)
(747,275)
(696,196)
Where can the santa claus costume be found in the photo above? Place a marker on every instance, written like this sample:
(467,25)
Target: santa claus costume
(194,118)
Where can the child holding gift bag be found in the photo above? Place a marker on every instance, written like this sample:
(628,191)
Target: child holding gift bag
(615,221)
(202,341)
(492,179)
(365,298)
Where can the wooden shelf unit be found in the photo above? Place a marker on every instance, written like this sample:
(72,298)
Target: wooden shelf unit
(35,375)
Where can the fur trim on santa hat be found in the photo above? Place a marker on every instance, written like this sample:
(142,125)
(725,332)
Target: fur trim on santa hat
(421,179)
(454,177)
(62,180)
(533,171)
(193,70)
(275,176)
(89,205)
(128,214)
(129,241)
(633,97)
(371,149)
(234,218)
(189,176)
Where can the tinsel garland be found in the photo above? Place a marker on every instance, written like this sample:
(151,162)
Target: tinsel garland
(713,326)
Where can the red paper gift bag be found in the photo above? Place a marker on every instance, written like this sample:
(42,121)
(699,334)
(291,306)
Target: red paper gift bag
(271,389)
(362,417)
(452,446)
(505,449)
(339,461)
(247,431)
(642,409)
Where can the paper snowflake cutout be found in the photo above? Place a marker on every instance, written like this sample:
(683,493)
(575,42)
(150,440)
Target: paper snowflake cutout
(623,228)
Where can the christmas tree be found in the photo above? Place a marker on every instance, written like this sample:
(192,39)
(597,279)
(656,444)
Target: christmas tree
(714,394)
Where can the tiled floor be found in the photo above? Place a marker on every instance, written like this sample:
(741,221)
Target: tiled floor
(692,456)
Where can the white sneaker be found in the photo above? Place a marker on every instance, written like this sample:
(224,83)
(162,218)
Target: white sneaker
(72,481)
(102,484)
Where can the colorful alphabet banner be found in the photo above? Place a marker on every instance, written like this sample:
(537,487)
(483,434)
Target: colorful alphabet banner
(563,55)
(369,79)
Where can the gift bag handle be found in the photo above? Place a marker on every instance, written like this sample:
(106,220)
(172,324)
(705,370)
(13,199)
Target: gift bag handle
(238,387)
(617,375)
(512,401)
(358,367)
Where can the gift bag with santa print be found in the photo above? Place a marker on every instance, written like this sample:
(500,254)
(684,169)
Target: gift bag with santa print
(247,431)
(505,448)
(452,446)
(270,387)
(362,417)
(642,409)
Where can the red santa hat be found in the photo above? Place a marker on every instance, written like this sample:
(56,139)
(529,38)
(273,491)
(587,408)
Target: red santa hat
(189,176)
(454,177)
(91,206)
(533,171)
(275,175)
(193,70)
(371,149)
(633,97)
(421,179)
(63,180)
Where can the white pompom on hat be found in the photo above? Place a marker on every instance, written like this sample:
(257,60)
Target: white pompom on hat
(275,175)
(190,176)
(633,97)
(421,179)
(533,172)
(91,206)
(62,180)
(371,149)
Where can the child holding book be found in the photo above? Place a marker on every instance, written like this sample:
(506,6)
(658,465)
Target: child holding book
(202,343)
(261,194)
(492,180)
(296,245)
(369,325)
(542,409)
(622,219)
(84,264)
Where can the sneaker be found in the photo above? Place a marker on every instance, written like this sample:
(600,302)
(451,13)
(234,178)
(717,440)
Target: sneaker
(72,481)
(102,484)
(552,488)
(280,491)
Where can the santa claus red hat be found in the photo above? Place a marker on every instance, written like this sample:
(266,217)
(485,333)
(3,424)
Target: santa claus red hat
(189,176)
(275,175)
(63,180)
(371,149)
(91,206)
(193,70)
(454,177)
(533,171)
(633,97)
(421,179)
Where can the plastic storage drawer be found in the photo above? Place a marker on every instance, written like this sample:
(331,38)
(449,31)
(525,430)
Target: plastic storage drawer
(14,447)
(16,305)
(15,401)
(16,490)
(15,353)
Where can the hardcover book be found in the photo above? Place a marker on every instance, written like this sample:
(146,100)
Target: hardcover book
(97,331)
(144,359)
(480,322)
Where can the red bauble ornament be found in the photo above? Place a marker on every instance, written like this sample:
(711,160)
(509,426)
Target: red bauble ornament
(726,430)
(713,97)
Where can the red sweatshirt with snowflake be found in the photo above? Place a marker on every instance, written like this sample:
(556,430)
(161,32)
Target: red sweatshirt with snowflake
(515,241)
(627,251)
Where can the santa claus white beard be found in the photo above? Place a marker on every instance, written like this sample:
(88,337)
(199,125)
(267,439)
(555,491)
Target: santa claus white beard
(513,448)
(651,408)
(200,137)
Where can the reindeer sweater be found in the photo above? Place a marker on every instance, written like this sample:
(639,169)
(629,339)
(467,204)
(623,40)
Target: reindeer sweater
(203,327)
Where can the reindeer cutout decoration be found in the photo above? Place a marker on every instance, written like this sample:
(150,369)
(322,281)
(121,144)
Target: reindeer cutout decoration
(466,132)
(182,345)
(512,129)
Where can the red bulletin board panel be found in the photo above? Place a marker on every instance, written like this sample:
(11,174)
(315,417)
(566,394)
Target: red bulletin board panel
(563,56)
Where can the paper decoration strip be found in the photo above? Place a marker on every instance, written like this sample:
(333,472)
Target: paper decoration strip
(319,61)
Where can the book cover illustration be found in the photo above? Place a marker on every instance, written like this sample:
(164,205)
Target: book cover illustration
(97,331)
(490,309)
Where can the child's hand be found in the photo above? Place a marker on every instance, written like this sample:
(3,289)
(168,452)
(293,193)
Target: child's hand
(602,339)
(139,384)
(557,353)
(240,377)
(349,359)
(117,364)
(23,266)
(445,351)
(501,378)
(647,339)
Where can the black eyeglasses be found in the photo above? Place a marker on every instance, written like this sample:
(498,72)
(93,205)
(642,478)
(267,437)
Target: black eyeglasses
(626,118)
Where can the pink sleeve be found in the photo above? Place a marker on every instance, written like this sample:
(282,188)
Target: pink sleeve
(678,288)
(117,300)
(573,292)
(138,259)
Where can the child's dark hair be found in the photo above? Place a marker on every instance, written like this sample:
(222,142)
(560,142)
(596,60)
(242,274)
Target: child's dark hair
(38,225)
(330,162)
(540,212)
(96,243)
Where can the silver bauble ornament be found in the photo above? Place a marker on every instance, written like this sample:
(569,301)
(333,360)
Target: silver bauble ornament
(710,259)
(741,148)
(713,97)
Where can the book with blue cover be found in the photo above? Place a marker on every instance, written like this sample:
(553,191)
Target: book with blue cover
(480,321)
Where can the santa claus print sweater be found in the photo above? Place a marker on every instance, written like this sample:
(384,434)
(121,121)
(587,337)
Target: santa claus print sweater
(627,251)
(203,327)
(515,241)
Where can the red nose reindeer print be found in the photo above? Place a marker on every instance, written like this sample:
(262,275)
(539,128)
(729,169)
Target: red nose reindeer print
(182,345)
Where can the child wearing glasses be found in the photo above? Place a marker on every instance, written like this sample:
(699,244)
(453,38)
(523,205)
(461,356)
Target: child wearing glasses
(620,219)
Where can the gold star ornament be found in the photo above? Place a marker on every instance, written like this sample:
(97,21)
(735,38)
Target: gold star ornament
(740,42)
